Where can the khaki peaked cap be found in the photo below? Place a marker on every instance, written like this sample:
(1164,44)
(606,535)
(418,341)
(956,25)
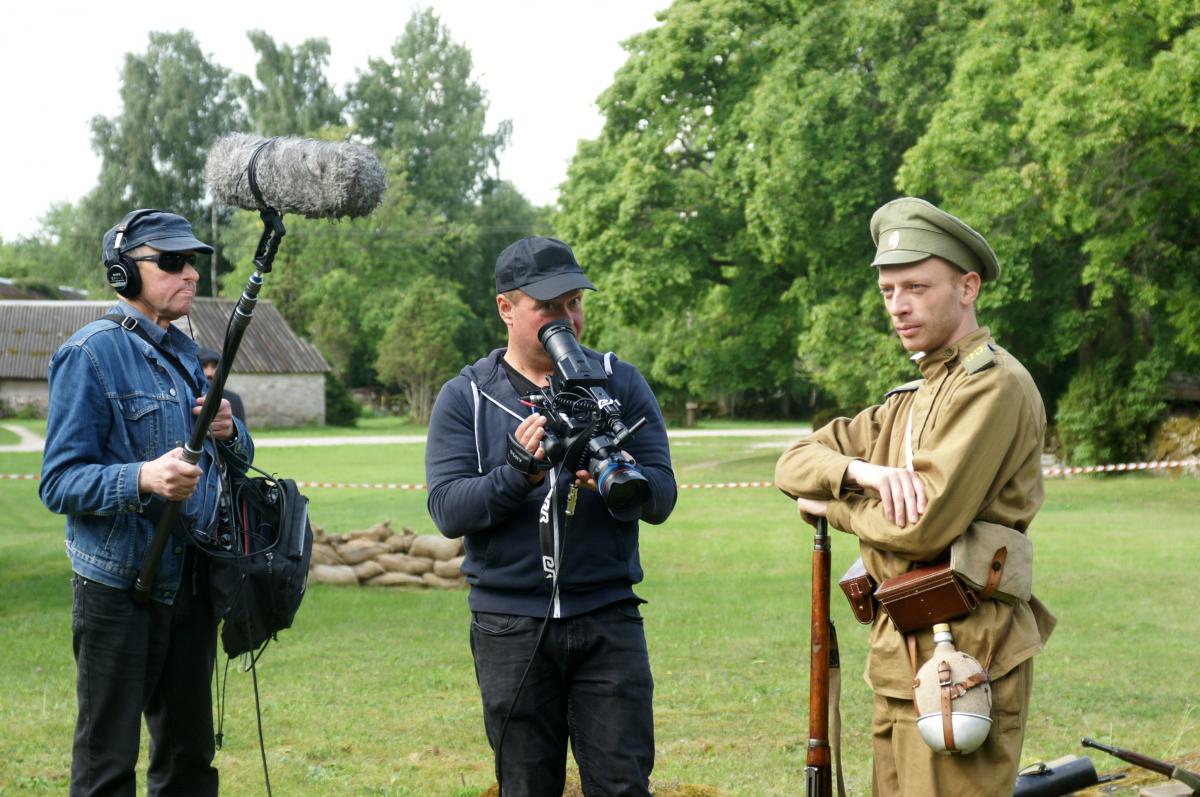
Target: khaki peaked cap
(908,230)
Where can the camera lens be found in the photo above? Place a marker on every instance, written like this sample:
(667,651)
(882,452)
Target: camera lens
(624,488)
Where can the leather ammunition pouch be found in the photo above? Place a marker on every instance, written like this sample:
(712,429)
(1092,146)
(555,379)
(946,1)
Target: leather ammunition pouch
(860,591)
(988,561)
(924,596)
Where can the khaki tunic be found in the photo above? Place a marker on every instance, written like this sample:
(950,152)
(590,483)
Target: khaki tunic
(976,441)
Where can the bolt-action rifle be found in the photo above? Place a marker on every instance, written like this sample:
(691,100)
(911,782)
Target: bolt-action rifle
(1189,779)
(823,653)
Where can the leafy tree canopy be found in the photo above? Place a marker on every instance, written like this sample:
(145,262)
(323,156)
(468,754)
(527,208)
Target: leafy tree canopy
(431,335)
(724,208)
(292,95)
(423,104)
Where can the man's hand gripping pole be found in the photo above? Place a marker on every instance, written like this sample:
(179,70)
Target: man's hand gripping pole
(243,313)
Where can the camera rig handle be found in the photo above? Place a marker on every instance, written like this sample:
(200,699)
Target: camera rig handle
(519,458)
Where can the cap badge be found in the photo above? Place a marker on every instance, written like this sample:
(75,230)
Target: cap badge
(893,240)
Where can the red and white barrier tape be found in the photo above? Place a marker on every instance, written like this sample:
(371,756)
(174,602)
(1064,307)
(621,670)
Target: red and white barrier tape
(723,485)
(1049,473)
(364,486)
(1165,464)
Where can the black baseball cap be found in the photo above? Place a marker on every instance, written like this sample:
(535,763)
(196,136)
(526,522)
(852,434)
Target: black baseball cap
(208,355)
(166,232)
(541,267)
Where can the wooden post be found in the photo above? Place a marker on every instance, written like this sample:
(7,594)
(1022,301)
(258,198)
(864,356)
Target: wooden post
(216,255)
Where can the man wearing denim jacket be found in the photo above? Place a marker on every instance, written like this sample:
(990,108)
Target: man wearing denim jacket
(123,396)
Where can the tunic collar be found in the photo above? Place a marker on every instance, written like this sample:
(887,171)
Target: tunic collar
(934,363)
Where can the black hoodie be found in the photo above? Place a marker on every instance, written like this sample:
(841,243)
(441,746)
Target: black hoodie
(474,493)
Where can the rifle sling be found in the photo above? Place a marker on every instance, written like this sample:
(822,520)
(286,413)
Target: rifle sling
(835,708)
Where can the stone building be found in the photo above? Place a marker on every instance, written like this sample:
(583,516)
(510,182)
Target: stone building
(280,376)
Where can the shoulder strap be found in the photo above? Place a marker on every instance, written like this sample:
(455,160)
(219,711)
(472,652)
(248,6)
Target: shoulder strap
(130,324)
(980,359)
(907,387)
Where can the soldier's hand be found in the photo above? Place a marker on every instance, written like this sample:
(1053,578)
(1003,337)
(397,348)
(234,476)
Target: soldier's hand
(811,509)
(170,476)
(529,434)
(901,491)
(222,427)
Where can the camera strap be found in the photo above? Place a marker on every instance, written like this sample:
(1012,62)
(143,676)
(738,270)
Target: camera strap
(130,324)
(548,535)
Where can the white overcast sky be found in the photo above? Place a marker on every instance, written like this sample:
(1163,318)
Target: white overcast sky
(543,63)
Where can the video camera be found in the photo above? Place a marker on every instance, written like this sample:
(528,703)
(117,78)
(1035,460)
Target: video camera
(583,426)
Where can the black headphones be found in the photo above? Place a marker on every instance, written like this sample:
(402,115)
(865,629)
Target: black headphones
(121,270)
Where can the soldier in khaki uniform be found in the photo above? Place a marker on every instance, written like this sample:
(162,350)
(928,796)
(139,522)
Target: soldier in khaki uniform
(908,476)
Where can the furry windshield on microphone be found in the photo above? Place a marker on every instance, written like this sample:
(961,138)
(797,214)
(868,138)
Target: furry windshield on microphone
(317,179)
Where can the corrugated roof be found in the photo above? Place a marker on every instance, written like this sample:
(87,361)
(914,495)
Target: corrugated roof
(11,289)
(31,331)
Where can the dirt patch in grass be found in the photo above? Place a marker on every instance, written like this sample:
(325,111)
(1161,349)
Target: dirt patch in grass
(657,789)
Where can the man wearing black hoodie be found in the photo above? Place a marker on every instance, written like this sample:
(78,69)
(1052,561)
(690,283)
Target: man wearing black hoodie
(589,681)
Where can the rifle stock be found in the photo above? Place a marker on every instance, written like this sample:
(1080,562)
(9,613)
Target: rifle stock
(818,771)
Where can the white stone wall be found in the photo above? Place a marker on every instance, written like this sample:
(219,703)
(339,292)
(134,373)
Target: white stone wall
(280,399)
(18,393)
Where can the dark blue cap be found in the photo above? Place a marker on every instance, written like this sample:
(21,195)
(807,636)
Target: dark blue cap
(541,267)
(166,232)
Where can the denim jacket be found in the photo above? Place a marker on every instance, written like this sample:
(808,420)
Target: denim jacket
(115,403)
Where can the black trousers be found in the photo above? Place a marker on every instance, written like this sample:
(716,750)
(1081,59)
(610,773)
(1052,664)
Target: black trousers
(133,659)
(590,683)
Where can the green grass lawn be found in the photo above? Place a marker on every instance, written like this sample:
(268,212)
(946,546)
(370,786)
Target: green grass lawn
(381,425)
(373,692)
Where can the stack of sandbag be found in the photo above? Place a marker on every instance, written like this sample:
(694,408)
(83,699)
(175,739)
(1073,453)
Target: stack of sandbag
(381,557)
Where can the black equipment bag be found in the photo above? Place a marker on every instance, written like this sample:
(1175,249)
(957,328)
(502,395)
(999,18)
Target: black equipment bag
(257,587)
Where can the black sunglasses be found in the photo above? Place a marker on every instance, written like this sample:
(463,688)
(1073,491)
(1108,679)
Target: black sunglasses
(171,262)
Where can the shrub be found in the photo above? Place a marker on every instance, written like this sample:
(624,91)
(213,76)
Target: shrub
(1108,411)
(340,407)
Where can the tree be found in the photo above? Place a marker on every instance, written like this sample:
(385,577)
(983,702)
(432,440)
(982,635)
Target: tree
(431,335)
(174,103)
(502,215)
(441,216)
(1069,131)
(746,145)
(424,105)
(56,255)
(744,149)
(292,96)
(338,282)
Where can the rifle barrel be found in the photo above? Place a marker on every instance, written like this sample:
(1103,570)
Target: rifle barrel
(1143,761)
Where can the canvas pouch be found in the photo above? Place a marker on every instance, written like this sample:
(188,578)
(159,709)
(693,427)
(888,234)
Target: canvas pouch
(996,561)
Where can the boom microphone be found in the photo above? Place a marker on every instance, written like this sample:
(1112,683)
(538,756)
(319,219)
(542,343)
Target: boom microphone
(317,179)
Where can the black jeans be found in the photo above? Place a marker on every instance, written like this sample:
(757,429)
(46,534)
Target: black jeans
(590,683)
(132,659)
